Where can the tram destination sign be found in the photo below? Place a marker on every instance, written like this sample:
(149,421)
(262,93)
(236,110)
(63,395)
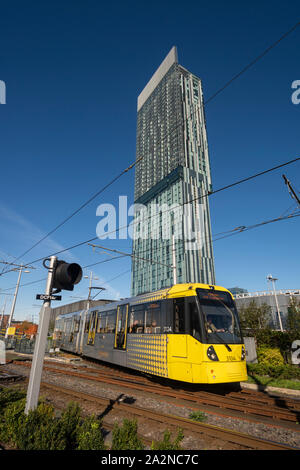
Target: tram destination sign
(48,297)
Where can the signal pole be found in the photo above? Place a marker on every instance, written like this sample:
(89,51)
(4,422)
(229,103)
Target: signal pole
(40,345)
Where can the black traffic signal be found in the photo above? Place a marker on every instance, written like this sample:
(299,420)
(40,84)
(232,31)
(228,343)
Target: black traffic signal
(65,275)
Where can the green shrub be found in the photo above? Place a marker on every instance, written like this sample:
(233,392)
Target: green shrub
(8,396)
(286,371)
(39,429)
(198,416)
(10,421)
(69,422)
(89,434)
(167,444)
(126,437)
(274,339)
(269,356)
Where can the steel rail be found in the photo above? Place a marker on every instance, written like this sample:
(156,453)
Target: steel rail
(226,435)
(203,398)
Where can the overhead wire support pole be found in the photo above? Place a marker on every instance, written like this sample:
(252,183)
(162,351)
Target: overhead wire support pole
(40,345)
(14,301)
(273,279)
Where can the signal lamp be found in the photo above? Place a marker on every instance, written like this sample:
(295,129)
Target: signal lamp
(65,275)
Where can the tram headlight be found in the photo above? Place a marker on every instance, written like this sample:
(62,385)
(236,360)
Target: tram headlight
(243,357)
(211,354)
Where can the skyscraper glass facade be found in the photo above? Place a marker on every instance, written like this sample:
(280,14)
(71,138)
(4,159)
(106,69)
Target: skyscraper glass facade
(172,227)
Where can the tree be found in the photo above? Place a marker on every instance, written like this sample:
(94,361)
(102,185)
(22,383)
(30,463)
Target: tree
(293,316)
(237,290)
(255,317)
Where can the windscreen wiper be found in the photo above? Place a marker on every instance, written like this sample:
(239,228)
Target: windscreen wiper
(222,341)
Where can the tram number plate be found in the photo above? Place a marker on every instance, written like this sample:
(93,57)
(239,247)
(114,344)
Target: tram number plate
(231,358)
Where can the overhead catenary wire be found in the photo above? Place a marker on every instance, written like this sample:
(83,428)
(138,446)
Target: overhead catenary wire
(77,210)
(44,278)
(113,279)
(231,185)
(229,233)
(240,229)
(250,64)
(131,255)
(235,77)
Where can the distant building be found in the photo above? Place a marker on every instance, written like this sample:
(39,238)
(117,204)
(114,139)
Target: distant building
(268,297)
(237,290)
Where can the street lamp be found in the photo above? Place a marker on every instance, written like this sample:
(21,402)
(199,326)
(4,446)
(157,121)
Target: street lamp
(21,269)
(272,279)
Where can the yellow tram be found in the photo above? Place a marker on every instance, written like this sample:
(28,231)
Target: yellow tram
(188,332)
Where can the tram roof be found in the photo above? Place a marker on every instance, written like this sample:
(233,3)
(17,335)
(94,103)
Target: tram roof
(178,290)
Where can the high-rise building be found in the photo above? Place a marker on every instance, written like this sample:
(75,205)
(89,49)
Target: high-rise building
(172,219)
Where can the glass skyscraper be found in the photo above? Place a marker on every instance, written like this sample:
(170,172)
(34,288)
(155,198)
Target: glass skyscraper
(172,241)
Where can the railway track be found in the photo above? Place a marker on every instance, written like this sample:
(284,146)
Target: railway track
(215,432)
(246,404)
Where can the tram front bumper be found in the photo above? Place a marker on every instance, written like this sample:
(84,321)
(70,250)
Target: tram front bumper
(220,372)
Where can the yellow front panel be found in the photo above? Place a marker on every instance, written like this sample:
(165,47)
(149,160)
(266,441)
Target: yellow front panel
(191,363)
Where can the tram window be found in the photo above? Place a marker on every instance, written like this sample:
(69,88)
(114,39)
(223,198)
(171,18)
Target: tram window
(152,318)
(68,326)
(101,322)
(76,324)
(179,320)
(87,323)
(136,319)
(111,321)
(69,333)
(166,314)
(120,339)
(195,321)
(93,322)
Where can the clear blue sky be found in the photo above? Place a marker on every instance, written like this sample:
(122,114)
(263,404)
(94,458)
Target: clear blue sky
(73,71)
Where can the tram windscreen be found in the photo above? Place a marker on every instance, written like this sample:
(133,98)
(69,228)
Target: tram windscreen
(220,317)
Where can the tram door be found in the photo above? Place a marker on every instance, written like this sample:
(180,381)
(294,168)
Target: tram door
(121,327)
(92,328)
